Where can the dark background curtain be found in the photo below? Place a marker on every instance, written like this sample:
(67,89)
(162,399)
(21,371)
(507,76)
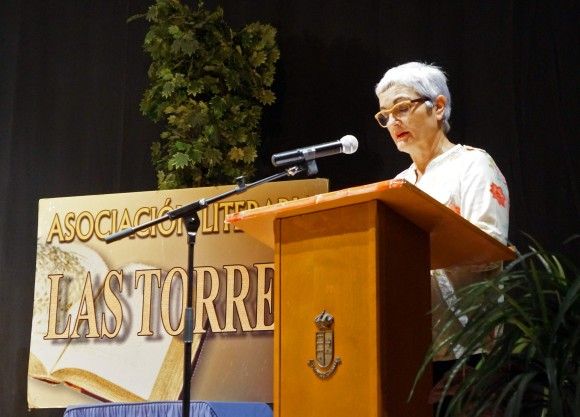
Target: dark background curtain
(72,74)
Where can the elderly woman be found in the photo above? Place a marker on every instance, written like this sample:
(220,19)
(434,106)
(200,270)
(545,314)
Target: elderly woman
(415,106)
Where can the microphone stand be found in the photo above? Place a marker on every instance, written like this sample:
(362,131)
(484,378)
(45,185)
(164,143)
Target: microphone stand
(190,217)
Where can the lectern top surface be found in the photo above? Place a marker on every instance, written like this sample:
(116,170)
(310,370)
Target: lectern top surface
(454,240)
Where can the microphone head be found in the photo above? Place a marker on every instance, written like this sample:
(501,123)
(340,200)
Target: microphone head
(349,144)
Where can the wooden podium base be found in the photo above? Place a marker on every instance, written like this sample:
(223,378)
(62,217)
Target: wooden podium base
(366,266)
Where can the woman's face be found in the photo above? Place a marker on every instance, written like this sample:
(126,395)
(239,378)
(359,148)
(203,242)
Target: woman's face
(417,128)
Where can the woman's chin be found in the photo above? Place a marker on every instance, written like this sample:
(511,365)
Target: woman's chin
(403,145)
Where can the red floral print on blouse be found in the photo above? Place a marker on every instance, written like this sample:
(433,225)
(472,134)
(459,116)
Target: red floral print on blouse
(455,208)
(497,193)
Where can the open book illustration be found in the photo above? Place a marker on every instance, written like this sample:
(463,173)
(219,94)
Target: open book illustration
(140,362)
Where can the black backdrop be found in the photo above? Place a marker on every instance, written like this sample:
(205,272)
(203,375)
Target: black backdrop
(72,72)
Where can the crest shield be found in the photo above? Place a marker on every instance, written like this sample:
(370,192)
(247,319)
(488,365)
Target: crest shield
(325,364)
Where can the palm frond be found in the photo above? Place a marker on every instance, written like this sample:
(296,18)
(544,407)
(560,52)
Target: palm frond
(527,321)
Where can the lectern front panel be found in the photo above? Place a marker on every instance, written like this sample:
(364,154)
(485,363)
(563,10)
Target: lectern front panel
(337,295)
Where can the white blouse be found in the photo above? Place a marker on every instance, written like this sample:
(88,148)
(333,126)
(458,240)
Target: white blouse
(468,181)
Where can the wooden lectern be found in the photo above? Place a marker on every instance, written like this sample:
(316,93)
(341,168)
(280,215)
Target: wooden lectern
(352,295)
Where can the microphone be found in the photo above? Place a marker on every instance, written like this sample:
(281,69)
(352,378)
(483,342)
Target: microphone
(347,144)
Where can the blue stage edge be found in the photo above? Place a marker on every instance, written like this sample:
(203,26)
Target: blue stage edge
(170,409)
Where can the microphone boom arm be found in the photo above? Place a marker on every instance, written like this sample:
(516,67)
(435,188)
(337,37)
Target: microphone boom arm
(189,209)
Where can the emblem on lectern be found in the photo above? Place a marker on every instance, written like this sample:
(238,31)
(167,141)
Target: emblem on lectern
(325,364)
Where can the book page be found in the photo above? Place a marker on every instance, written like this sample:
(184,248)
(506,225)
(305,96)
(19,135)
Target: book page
(73,262)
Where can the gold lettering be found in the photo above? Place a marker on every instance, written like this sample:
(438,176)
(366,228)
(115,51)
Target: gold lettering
(264,296)
(113,303)
(227,207)
(153,216)
(172,224)
(167,231)
(148,276)
(125,222)
(55,229)
(205,226)
(206,303)
(181,274)
(53,310)
(79,226)
(216,218)
(69,224)
(98,231)
(86,311)
(114,228)
(179,226)
(137,220)
(236,300)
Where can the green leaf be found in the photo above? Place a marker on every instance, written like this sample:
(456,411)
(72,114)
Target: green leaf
(165,74)
(179,160)
(182,147)
(267,97)
(136,16)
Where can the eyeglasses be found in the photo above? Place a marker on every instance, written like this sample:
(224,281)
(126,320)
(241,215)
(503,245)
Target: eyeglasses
(399,110)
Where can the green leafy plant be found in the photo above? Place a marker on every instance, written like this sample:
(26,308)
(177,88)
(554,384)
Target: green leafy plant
(208,86)
(528,321)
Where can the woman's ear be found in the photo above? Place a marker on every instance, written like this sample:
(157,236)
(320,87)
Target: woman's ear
(440,103)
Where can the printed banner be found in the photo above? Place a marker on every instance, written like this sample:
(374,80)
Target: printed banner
(108,318)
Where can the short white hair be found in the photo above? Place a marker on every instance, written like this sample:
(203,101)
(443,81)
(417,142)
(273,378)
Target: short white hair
(427,80)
